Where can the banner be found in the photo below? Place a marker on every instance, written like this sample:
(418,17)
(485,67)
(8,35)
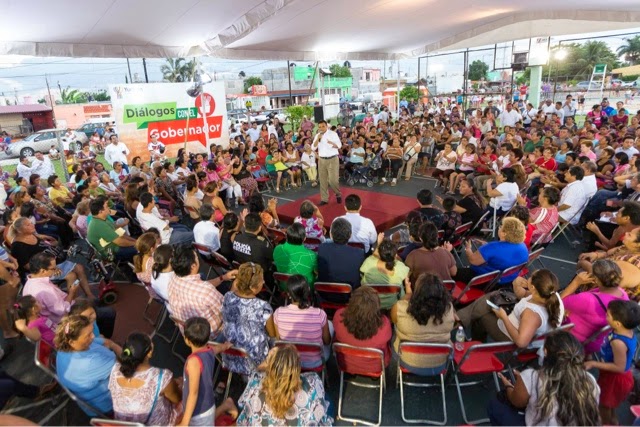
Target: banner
(165,109)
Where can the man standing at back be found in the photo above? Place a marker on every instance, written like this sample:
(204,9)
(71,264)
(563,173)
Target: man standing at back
(117,152)
(362,229)
(328,144)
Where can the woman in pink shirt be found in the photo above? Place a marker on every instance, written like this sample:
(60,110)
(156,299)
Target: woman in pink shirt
(588,310)
(300,321)
(31,323)
(585,150)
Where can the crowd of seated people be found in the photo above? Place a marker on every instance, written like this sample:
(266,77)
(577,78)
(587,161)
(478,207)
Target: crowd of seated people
(511,186)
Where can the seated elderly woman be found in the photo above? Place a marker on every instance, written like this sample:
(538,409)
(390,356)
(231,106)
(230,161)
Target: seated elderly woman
(82,365)
(538,311)
(361,324)
(626,256)
(587,310)
(244,318)
(134,384)
(424,315)
(508,252)
(281,395)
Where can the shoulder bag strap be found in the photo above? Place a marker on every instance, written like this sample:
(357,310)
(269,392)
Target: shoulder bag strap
(155,399)
(604,307)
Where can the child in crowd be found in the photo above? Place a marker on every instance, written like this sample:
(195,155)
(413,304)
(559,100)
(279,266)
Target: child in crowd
(29,322)
(311,219)
(198,397)
(451,218)
(615,378)
(522,213)
(54,154)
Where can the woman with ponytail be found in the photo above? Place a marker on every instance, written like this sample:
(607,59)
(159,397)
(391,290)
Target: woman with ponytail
(539,310)
(142,262)
(281,395)
(383,268)
(140,392)
(561,393)
(161,271)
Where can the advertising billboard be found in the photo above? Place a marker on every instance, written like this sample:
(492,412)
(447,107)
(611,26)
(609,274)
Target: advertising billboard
(141,110)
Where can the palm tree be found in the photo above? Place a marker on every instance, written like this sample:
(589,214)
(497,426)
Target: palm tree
(70,96)
(631,51)
(590,54)
(178,70)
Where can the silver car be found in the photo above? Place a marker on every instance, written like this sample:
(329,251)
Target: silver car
(42,141)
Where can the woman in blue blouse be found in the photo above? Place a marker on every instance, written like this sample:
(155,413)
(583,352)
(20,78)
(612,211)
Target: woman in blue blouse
(84,366)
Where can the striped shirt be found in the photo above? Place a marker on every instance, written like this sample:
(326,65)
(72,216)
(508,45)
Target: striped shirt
(305,325)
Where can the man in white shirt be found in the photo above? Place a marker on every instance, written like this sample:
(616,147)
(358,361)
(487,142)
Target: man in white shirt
(254,132)
(327,143)
(589,179)
(42,166)
(548,108)
(148,219)
(509,117)
(558,111)
(627,147)
(23,169)
(155,147)
(568,109)
(529,114)
(117,152)
(206,231)
(362,229)
(384,115)
(572,197)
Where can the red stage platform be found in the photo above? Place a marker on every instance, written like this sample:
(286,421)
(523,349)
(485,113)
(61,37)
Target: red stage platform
(385,210)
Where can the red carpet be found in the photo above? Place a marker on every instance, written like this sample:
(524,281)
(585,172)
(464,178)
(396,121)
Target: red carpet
(385,210)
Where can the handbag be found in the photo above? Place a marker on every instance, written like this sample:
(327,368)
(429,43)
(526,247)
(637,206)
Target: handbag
(504,299)
(155,399)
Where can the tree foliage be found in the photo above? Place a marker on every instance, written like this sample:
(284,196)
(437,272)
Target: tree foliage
(338,70)
(251,81)
(631,50)
(410,93)
(296,113)
(478,70)
(178,70)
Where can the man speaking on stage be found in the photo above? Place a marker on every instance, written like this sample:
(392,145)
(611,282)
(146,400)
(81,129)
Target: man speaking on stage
(327,143)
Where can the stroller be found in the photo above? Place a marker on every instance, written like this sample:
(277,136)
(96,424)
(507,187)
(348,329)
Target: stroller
(367,175)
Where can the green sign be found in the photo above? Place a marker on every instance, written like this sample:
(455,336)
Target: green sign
(142,114)
(599,68)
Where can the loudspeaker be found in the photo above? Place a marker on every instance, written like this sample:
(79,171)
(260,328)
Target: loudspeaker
(318,113)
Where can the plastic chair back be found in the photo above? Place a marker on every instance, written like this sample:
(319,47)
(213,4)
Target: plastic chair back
(343,351)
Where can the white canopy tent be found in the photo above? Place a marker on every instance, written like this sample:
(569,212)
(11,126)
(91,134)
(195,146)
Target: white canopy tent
(292,29)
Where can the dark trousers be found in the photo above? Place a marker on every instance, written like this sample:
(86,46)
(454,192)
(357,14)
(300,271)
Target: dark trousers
(126,253)
(10,386)
(503,414)
(106,320)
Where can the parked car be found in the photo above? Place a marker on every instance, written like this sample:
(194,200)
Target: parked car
(41,141)
(585,85)
(630,84)
(90,128)
(265,116)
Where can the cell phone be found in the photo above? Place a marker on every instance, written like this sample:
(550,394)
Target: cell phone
(492,305)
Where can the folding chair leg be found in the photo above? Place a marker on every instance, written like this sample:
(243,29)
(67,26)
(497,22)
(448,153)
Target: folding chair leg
(226,391)
(27,406)
(173,347)
(55,410)
(462,408)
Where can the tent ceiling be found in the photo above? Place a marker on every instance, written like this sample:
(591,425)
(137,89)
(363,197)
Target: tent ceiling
(292,29)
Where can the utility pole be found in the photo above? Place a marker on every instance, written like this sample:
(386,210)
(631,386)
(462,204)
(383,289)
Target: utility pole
(144,65)
(63,162)
(398,105)
(129,68)
(289,74)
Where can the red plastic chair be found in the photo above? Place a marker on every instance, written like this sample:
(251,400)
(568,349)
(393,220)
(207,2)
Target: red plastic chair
(515,270)
(45,359)
(312,350)
(312,243)
(468,293)
(358,245)
(342,351)
(527,355)
(635,410)
(421,349)
(281,283)
(191,210)
(222,262)
(276,236)
(533,257)
(234,352)
(386,288)
(459,236)
(206,253)
(478,359)
(328,291)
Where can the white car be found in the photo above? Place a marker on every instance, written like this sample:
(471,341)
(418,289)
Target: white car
(42,141)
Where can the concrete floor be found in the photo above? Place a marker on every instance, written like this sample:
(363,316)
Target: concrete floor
(420,403)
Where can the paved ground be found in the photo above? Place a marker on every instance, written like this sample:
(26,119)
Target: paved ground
(559,257)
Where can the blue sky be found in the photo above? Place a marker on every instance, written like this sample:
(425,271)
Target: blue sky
(25,76)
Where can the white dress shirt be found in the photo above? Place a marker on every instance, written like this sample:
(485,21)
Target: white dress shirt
(206,233)
(24,171)
(254,134)
(43,167)
(116,153)
(322,145)
(150,220)
(509,118)
(590,185)
(362,230)
(572,195)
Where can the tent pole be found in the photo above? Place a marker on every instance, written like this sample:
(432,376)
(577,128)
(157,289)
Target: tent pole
(398,91)
(289,74)
(144,66)
(129,68)
(466,84)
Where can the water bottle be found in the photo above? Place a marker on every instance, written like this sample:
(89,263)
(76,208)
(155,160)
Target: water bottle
(460,339)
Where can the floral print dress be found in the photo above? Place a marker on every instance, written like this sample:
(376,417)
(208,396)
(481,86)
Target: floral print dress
(244,321)
(309,409)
